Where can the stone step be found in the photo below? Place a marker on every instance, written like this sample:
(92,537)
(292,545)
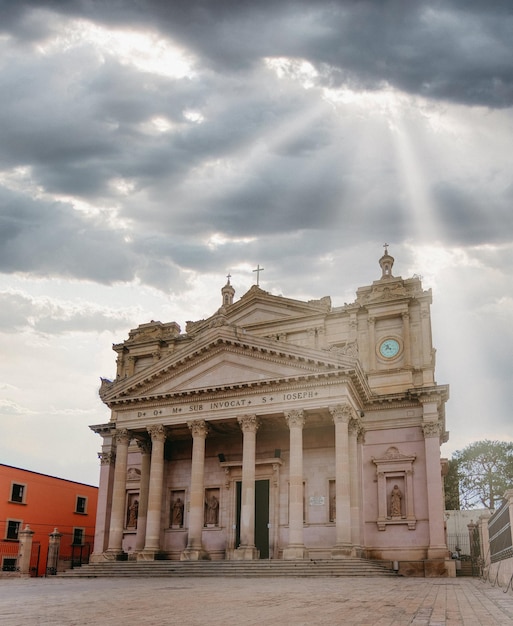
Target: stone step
(330,568)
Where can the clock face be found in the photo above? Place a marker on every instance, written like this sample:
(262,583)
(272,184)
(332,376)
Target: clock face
(389,348)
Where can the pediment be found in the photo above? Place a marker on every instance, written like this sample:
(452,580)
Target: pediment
(260,307)
(218,361)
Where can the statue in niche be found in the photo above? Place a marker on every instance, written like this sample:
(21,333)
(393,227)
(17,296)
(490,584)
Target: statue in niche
(177,513)
(212,515)
(133,512)
(395,501)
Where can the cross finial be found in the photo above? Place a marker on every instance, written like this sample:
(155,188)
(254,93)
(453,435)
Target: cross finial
(228,276)
(385,245)
(258,270)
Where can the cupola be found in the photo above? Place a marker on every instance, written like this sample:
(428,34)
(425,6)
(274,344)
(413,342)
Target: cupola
(227,292)
(386,262)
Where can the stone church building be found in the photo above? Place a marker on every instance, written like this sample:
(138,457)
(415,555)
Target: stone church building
(278,429)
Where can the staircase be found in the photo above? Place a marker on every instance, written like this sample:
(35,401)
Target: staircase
(238,569)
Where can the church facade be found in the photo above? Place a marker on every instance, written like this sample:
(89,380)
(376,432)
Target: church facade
(279,429)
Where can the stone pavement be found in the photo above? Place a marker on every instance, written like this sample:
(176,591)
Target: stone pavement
(262,602)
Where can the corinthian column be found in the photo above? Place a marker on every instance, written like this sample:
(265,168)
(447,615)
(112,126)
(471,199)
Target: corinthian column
(247,550)
(154,514)
(194,550)
(117,516)
(355,430)
(296,548)
(342,414)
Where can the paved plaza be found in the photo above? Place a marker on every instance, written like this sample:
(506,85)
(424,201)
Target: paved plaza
(237,602)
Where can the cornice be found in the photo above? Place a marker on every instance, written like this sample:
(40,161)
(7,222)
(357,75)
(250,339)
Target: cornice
(302,381)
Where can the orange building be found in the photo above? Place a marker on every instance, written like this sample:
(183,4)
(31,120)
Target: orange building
(45,503)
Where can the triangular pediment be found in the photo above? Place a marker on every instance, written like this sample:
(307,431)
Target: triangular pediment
(258,307)
(220,360)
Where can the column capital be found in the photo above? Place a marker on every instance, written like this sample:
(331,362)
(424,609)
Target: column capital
(431,429)
(157,432)
(355,426)
(144,446)
(107,458)
(122,436)
(248,423)
(198,428)
(295,418)
(342,413)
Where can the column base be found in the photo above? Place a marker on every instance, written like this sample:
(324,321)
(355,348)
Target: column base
(438,552)
(342,551)
(147,555)
(296,553)
(113,555)
(195,554)
(245,553)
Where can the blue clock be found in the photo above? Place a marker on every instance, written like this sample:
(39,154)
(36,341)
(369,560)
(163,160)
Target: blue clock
(389,348)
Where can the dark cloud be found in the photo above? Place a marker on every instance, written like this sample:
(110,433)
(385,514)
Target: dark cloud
(267,158)
(50,238)
(451,50)
(19,312)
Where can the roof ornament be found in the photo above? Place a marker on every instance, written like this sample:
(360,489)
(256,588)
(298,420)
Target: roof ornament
(258,270)
(227,292)
(386,262)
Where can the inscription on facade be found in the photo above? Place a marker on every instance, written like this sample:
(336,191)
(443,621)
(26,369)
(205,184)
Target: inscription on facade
(199,407)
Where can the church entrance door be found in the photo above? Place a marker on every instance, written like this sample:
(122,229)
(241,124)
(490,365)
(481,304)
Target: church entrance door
(261,517)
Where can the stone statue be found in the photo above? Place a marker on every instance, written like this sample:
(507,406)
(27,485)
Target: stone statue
(212,517)
(133,512)
(395,501)
(177,513)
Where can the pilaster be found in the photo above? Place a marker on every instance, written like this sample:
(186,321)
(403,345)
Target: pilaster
(117,518)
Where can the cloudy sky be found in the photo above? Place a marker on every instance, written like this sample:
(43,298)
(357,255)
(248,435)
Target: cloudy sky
(149,148)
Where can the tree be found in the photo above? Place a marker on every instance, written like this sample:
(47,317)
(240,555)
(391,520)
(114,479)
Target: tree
(485,471)
(452,487)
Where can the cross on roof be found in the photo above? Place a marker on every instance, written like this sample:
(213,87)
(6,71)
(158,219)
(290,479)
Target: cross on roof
(258,270)
(385,245)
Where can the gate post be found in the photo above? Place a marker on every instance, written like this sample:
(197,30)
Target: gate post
(54,545)
(25,551)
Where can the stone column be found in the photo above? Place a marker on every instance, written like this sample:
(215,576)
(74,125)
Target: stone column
(154,512)
(342,414)
(25,550)
(247,550)
(145,448)
(54,544)
(296,548)
(117,517)
(431,428)
(194,550)
(355,428)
